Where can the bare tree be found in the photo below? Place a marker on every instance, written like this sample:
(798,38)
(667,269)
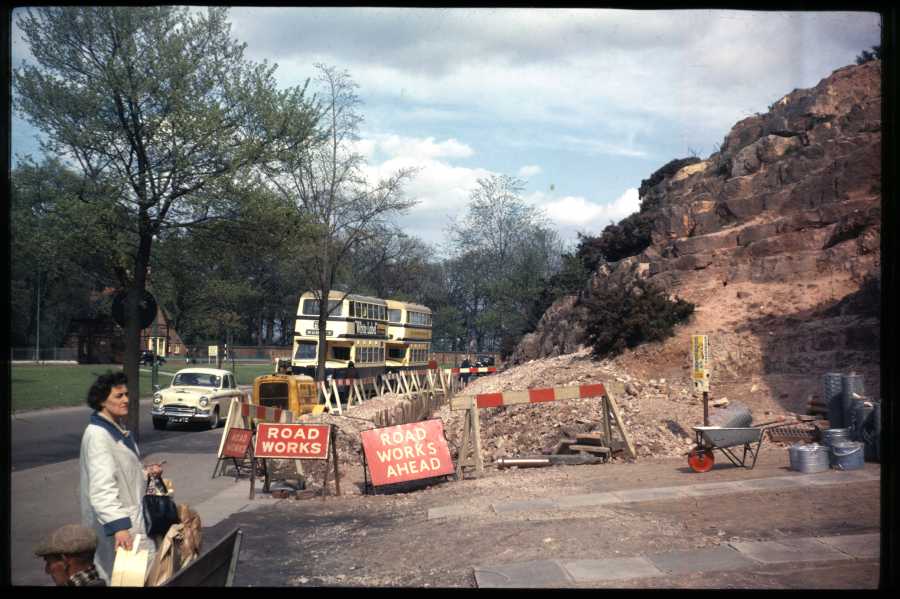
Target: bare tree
(327,184)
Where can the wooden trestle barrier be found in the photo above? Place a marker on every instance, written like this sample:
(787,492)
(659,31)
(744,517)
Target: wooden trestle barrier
(425,386)
(471,433)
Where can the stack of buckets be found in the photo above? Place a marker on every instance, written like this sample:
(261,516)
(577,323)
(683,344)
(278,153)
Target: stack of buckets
(855,430)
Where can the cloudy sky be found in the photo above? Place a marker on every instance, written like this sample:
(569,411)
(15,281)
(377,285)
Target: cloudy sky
(580,104)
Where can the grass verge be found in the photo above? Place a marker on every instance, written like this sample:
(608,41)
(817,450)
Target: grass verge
(38,386)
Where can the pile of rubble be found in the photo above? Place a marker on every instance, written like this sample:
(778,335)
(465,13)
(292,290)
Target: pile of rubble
(658,414)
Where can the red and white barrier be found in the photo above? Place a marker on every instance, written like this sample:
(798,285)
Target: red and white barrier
(508,398)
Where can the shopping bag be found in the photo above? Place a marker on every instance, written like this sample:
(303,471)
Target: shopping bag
(130,567)
(160,511)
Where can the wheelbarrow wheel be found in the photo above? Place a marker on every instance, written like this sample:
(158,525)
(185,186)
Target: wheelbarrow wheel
(701,460)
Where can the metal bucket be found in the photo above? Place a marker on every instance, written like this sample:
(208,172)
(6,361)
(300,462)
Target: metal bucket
(830,436)
(847,455)
(832,385)
(809,458)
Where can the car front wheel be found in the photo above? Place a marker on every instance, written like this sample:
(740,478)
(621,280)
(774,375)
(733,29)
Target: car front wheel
(214,419)
(159,424)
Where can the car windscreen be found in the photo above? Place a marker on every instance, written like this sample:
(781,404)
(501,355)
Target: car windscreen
(196,379)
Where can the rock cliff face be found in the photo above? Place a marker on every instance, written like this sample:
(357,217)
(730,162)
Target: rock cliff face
(766,236)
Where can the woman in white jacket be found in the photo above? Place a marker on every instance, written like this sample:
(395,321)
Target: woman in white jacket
(113,480)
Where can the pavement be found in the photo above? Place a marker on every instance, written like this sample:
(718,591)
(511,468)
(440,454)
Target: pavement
(729,557)
(733,556)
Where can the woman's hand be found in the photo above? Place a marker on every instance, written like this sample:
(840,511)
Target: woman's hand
(123,539)
(153,470)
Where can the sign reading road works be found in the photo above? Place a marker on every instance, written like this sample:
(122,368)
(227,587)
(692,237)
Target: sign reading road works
(397,454)
(292,441)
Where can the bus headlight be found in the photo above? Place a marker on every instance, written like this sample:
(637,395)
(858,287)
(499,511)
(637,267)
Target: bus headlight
(204,401)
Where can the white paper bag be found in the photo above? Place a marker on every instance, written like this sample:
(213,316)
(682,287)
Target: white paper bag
(130,567)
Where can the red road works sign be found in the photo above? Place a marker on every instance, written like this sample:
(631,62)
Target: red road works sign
(236,443)
(292,441)
(397,454)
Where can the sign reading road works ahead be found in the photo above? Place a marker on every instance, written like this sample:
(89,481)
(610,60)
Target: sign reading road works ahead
(291,441)
(397,454)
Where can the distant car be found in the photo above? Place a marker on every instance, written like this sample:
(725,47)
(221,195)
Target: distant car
(196,395)
(147,357)
(485,361)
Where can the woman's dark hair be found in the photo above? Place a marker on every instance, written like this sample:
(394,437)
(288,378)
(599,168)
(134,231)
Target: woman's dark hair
(100,390)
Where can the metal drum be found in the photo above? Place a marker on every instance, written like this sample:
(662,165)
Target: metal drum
(832,384)
(736,415)
(850,384)
(809,458)
(831,436)
(847,455)
(859,416)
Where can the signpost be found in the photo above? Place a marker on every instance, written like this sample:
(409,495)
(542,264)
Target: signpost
(212,351)
(296,442)
(700,370)
(406,452)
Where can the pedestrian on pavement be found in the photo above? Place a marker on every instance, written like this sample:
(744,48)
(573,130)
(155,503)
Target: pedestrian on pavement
(113,479)
(465,376)
(69,556)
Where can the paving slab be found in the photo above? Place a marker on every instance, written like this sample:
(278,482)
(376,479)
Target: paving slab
(707,559)
(448,511)
(788,550)
(522,575)
(833,477)
(864,546)
(619,568)
(651,494)
(766,484)
(524,506)
(713,489)
(588,500)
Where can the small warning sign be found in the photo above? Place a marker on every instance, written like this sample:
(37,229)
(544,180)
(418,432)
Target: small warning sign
(407,452)
(236,443)
(700,357)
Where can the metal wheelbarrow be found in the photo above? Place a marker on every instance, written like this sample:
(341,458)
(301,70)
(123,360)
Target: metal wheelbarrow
(701,458)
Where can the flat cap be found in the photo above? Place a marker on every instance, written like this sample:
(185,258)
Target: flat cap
(68,539)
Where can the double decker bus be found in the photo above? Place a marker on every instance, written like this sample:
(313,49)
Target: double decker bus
(409,336)
(355,335)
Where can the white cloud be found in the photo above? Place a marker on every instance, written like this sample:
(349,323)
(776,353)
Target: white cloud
(397,146)
(576,213)
(529,170)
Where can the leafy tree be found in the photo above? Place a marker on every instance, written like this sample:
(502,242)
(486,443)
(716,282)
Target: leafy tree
(503,249)
(326,182)
(55,247)
(161,112)
(624,316)
(629,237)
(866,55)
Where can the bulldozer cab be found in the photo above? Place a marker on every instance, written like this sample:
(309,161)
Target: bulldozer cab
(293,392)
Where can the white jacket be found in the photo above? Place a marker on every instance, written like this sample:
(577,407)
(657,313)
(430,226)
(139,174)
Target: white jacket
(113,485)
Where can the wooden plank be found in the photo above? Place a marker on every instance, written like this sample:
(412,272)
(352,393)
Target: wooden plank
(476,433)
(591,438)
(462,458)
(590,448)
(621,425)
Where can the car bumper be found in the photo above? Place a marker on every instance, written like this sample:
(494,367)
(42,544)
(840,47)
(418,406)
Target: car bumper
(181,414)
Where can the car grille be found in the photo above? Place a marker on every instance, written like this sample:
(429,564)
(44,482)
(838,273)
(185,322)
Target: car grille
(180,411)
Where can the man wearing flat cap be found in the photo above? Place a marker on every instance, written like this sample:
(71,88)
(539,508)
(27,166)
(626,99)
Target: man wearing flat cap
(69,556)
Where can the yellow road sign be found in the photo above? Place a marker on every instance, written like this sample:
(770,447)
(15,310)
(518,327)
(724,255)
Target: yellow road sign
(700,355)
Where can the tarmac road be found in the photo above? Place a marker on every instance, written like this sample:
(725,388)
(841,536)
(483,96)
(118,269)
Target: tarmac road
(44,478)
